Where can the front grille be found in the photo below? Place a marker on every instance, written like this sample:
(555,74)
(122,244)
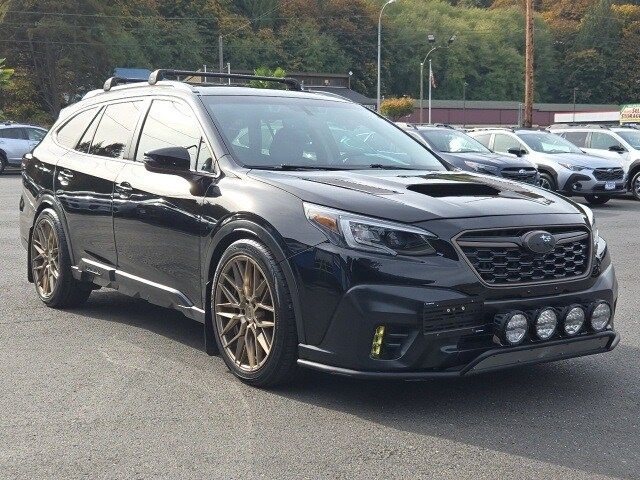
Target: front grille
(605,174)
(451,315)
(501,257)
(526,175)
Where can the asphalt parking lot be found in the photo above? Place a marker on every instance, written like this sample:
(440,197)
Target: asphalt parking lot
(123,389)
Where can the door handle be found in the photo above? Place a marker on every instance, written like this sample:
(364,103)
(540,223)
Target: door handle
(124,189)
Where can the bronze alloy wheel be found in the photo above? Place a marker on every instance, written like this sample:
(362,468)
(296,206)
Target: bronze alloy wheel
(45,257)
(244,313)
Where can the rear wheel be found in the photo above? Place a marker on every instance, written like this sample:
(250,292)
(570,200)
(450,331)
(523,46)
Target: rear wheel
(547,182)
(635,185)
(253,316)
(3,163)
(51,264)
(596,199)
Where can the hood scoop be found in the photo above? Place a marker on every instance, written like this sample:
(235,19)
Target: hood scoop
(455,190)
(360,187)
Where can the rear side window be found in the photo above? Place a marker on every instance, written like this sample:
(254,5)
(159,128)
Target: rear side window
(70,132)
(579,139)
(115,129)
(85,141)
(170,124)
(12,133)
(483,138)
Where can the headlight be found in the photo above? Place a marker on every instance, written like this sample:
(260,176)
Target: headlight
(370,234)
(481,168)
(575,168)
(588,216)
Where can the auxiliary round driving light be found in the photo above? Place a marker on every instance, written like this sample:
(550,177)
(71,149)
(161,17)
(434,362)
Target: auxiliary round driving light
(600,316)
(574,320)
(512,327)
(546,323)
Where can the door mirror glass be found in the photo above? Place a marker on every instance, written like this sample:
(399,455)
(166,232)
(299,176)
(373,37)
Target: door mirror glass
(171,159)
(616,148)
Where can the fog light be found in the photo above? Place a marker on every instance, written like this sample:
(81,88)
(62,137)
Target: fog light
(546,323)
(600,316)
(512,327)
(378,337)
(573,320)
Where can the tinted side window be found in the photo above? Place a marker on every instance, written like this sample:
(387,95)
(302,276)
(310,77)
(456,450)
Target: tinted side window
(35,134)
(579,139)
(115,129)
(602,141)
(503,143)
(12,133)
(483,138)
(85,141)
(169,124)
(70,132)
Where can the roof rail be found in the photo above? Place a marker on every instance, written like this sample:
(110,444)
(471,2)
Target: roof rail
(480,129)
(113,81)
(578,125)
(161,74)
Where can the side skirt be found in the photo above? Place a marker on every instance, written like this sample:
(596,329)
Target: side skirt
(137,287)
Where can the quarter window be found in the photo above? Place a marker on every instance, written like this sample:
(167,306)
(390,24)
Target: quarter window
(70,132)
(579,139)
(503,143)
(85,142)
(170,124)
(115,129)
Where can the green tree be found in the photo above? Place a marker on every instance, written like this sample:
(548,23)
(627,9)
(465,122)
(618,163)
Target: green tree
(267,72)
(5,74)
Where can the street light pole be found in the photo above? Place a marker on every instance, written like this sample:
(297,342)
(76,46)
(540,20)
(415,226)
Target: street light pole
(575,90)
(430,39)
(430,82)
(379,50)
(464,104)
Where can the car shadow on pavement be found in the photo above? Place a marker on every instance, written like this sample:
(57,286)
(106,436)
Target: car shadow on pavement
(565,413)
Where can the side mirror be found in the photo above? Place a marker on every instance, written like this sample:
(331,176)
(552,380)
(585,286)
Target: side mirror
(171,159)
(617,148)
(518,152)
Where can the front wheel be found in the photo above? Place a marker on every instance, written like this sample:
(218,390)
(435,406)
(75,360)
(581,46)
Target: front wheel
(3,163)
(51,264)
(547,182)
(596,199)
(635,185)
(253,319)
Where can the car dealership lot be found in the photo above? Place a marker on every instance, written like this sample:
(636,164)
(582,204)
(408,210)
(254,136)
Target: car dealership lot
(123,389)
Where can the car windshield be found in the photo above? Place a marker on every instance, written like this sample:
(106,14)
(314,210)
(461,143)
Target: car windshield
(632,137)
(452,141)
(286,132)
(545,142)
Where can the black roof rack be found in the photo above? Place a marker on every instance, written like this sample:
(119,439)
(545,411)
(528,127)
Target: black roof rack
(161,74)
(113,81)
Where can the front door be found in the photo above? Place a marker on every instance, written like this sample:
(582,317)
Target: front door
(157,220)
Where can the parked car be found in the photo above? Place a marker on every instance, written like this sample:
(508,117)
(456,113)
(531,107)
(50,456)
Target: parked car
(16,140)
(616,143)
(260,214)
(466,153)
(563,167)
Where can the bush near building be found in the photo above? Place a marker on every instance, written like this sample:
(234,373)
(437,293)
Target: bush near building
(396,108)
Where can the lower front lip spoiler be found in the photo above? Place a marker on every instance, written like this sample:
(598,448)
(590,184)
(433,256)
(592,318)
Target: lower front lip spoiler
(496,359)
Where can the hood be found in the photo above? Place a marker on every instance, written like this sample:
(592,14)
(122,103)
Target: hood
(584,160)
(492,159)
(414,196)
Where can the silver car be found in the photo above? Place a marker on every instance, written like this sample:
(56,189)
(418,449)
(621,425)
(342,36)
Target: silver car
(618,143)
(15,141)
(563,167)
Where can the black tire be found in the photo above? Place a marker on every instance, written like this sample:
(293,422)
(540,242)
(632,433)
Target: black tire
(280,365)
(3,163)
(547,182)
(596,199)
(68,292)
(634,185)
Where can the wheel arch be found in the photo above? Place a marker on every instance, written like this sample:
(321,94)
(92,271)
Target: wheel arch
(634,168)
(248,226)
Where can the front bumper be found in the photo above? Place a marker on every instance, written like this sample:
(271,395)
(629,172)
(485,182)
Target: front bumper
(495,359)
(582,184)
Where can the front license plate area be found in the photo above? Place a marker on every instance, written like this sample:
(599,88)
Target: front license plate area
(610,186)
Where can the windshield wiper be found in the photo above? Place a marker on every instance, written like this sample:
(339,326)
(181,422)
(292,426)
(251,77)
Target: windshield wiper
(388,167)
(289,167)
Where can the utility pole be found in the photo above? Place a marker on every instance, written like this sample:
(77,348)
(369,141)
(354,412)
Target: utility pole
(528,69)
(220,54)
(575,90)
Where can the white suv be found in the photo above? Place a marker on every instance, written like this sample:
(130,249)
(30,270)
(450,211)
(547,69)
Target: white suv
(620,143)
(15,141)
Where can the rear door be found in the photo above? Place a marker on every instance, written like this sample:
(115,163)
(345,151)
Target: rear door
(14,142)
(157,219)
(85,178)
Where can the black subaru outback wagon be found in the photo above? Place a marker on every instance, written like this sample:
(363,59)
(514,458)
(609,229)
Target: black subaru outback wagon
(261,214)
